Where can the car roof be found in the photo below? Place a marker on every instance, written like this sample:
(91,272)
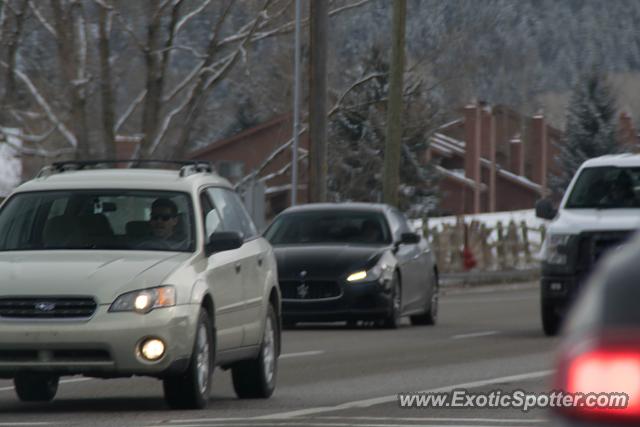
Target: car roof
(345,206)
(139,179)
(616,160)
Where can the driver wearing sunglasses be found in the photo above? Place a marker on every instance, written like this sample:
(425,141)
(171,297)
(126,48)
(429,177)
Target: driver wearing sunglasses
(164,218)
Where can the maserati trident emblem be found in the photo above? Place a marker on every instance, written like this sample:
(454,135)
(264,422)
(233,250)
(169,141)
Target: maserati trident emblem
(303,288)
(45,306)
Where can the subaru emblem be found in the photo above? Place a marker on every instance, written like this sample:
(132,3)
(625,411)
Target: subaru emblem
(45,306)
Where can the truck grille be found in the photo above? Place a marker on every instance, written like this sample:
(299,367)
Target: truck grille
(47,308)
(594,245)
(309,290)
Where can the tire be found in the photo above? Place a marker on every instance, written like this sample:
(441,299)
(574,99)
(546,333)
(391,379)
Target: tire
(392,320)
(191,389)
(551,320)
(33,387)
(256,378)
(430,315)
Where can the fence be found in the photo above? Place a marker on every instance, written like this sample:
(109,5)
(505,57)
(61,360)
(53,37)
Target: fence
(478,245)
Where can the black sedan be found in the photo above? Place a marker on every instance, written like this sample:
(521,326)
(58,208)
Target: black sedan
(353,261)
(600,352)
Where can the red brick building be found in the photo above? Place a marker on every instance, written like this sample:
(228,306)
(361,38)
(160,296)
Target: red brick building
(491,159)
(244,153)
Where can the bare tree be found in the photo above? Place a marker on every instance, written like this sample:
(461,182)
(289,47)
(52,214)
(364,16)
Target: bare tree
(93,73)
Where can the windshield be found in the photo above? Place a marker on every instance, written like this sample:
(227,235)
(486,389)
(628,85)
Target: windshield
(361,228)
(135,220)
(606,188)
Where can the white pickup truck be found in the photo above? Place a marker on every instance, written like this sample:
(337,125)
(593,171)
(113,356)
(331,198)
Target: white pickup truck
(600,210)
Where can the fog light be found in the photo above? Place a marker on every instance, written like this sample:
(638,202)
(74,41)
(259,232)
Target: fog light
(152,349)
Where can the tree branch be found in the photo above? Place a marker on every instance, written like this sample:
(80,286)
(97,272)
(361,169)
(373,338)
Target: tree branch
(70,137)
(41,19)
(183,21)
(127,113)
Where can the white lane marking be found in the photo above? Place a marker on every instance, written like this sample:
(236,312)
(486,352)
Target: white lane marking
(301,354)
(488,300)
(305,423)
(452,420)
(474,335)
(72,380)
(394,397)
(44,423)
(335,421)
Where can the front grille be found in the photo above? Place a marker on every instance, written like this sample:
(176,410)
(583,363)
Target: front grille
(309,290)
(593,246)
(47,308)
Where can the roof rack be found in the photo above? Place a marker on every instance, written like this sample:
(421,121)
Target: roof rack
(188,167)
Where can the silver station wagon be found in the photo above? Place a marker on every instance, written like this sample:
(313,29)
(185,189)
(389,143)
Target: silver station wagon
(112,272)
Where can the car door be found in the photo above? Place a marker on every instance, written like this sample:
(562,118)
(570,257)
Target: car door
(253,265)
(408,255)
(224,281)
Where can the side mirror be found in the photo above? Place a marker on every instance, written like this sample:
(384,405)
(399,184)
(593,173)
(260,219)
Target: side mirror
(410,239)
(545,209)
(223,241)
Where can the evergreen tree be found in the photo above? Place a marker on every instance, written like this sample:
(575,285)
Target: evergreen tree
(591,127)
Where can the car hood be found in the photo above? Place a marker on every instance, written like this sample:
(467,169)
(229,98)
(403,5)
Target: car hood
(324,261)
(101,274)
(574,221)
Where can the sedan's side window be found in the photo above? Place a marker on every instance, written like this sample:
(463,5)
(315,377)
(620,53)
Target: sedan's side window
(234,216)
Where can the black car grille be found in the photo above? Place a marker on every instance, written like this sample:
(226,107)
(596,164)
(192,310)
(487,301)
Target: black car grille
(309,290)
(593,246)
(47,308)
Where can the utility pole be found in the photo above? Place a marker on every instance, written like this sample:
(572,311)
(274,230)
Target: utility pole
(391,180)
(296,108)
(319,17)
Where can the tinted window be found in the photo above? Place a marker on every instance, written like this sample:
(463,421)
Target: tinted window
(111,219)
(348,227)
(234,215)
(606,188)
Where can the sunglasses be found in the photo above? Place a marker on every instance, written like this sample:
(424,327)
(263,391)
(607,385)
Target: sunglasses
(161,217)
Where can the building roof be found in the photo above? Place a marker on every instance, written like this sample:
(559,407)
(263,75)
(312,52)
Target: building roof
(139,179)
(283,118)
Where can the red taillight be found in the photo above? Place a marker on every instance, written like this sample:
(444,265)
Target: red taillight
(604,371)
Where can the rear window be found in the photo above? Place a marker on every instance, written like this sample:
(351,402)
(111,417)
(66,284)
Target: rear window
(347,227)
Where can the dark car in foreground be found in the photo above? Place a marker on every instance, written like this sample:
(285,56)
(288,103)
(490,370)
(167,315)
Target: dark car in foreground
(600,352)
(353,261)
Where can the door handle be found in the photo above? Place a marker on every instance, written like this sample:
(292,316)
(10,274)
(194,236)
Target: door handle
(416,256)
(259,261)
(238,268)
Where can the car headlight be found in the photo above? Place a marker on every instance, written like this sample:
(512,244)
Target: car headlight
(556,248)
(372,274)
(145,300)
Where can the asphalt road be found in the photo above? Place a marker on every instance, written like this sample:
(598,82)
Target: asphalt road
(331,375)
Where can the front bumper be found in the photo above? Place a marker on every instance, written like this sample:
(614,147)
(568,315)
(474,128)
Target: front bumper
(560,290)
(105,345)
(357,301)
